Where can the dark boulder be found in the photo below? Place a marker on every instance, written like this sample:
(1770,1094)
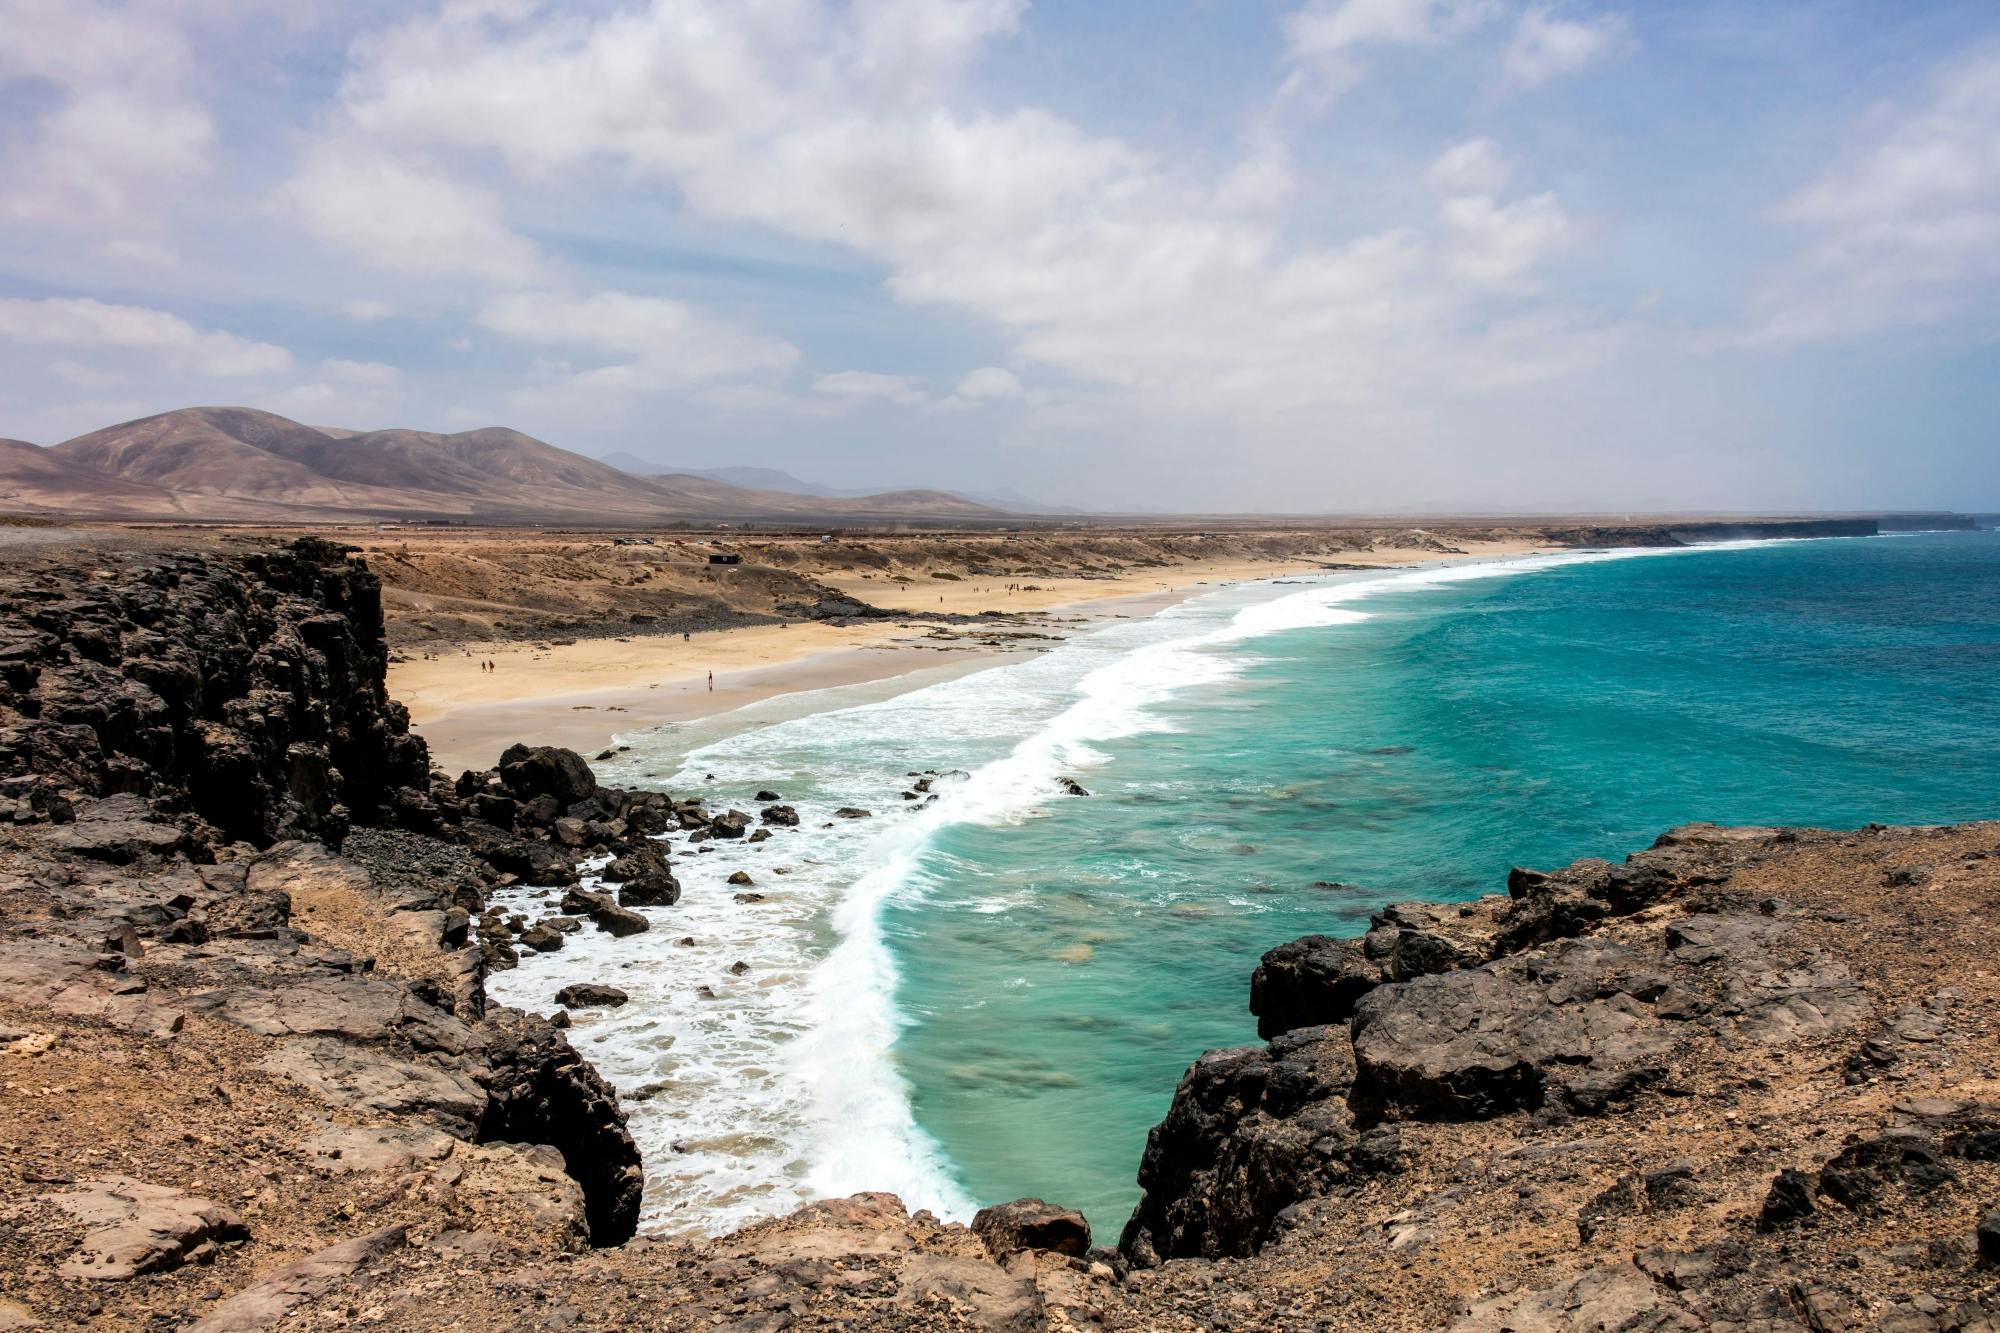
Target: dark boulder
(588,994)
(1789,1201)
(648,819)
(605,913)
(730,825)
(529,771)
(658,889)
(542,938)
(645,859)
(536,863)
(1310,981)
(1031,1224)
(781,814)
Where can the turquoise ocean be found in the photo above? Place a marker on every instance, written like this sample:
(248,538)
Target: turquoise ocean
(994,995)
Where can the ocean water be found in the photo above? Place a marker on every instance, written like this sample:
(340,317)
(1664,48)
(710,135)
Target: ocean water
(994,994)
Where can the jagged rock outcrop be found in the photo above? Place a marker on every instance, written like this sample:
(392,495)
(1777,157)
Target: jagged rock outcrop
(1736,1081)
(188,741)
(1251,1132)
(248,692)
(541,1091)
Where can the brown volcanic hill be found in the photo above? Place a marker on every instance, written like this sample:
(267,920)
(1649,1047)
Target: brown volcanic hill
(241,464)
(233,452)
(35,480)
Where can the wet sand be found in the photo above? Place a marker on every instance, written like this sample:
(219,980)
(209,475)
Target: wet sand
(583,694)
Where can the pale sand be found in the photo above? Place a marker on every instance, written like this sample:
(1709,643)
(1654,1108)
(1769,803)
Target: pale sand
(580,695)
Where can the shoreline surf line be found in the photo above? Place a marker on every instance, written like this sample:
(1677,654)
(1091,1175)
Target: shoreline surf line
(846,1055)
(581,695)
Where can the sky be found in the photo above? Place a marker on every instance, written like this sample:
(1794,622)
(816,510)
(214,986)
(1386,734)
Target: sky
(1196,255)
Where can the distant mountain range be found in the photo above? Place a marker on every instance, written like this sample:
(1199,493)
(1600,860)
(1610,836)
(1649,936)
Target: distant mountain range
(771,479)
(237,464)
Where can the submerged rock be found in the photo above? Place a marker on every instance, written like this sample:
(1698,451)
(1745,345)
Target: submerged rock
(588,995)
(603,912)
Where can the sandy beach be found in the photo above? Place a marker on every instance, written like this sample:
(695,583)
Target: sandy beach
(582,694)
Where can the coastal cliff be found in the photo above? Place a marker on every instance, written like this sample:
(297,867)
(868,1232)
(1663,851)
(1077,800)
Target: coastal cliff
(1744,1079)
(250,1078)
(239,917)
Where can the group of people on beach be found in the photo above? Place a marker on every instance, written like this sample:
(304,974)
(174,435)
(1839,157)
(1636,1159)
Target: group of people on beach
(485,665)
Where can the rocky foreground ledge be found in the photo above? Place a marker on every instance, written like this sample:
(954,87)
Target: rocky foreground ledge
(249,1077)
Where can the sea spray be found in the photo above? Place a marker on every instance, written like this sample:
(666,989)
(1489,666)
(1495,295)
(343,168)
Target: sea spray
(786,1085)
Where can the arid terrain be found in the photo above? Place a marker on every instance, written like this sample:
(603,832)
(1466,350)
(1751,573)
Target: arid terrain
(238,464)
(250,1078)
(591,631)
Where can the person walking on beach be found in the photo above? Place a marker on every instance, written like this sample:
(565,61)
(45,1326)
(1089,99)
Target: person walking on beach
(711,682)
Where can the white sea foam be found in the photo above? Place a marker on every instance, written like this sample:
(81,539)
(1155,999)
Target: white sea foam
(783,1087)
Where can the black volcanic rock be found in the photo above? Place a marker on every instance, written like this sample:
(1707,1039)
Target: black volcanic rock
(586,994)
(1789,1202)
(604,912)
(1468,1012)
(248,690)
(528,772)
(542,1091)
(184,738)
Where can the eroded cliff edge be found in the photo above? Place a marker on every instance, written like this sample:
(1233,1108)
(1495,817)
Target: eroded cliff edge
(238,981)
(1746,1079)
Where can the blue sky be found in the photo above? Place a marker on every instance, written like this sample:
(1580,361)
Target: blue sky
(1318,255)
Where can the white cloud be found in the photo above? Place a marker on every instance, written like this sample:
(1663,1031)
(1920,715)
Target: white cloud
(398,212)
(123,128)
(1905,228)
(93,378)
(1477,166)
(1323,36)
(369,374)
(869,386)
(662,343)
(1324,28)
(1547,46)
(135,250)
(1091,254)
(85,323)
(989,382)
(367,310)
(1500,245)
(308,397)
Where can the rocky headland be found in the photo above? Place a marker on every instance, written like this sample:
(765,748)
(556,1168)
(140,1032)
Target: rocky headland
(250,1078)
